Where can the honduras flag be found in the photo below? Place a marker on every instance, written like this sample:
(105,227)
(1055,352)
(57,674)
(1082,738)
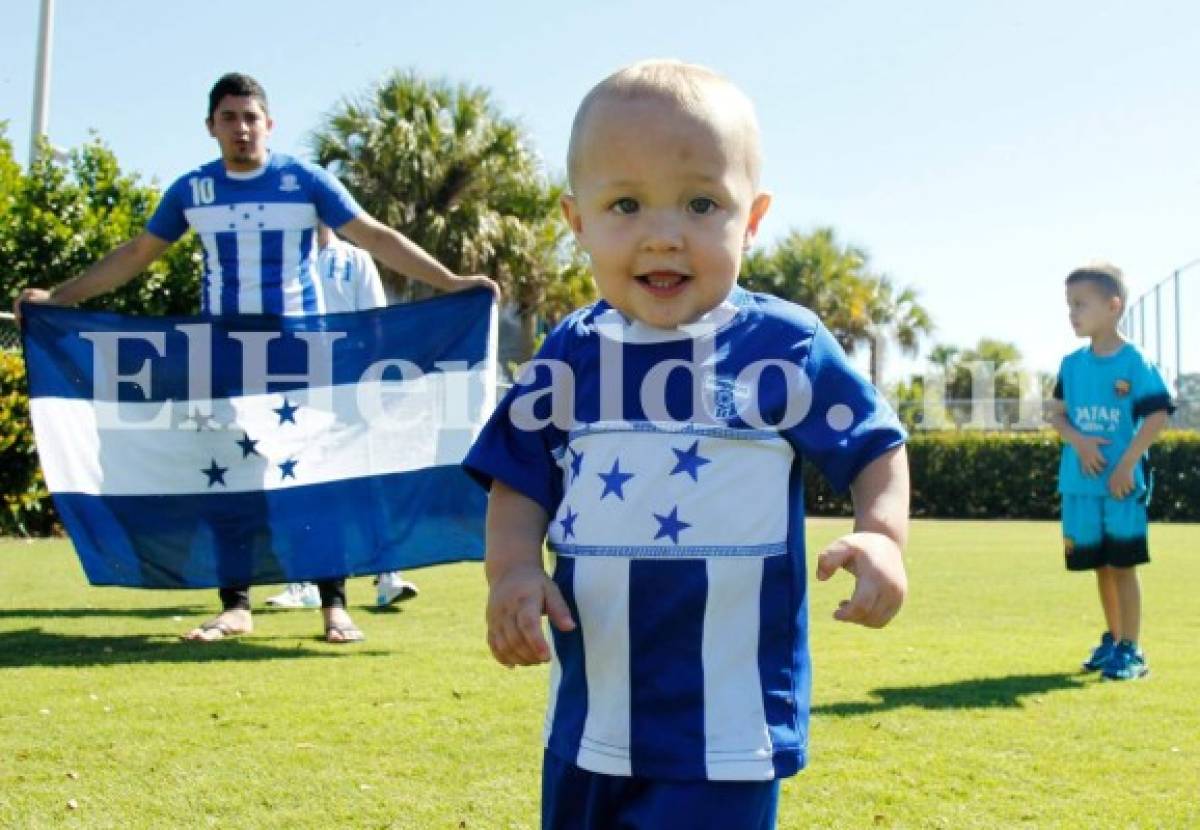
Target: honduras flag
(214,451)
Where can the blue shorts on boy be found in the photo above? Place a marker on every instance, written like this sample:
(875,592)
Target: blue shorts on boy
(1106,396)
(679,540)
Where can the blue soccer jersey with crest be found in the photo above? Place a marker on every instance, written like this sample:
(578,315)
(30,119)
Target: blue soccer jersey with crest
(676,518)
(258,231)
(1107,396)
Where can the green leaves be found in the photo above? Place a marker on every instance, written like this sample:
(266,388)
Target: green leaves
(59,218)
(441,164)
(835,280)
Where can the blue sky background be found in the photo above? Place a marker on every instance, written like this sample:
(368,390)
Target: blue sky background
(979,151)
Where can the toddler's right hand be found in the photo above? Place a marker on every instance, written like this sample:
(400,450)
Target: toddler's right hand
(1090,458)
(515,606)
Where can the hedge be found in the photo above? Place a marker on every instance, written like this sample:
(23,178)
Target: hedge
(1014,475)
(958,475)
(28,510)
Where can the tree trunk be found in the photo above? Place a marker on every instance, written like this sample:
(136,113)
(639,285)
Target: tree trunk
(527,335)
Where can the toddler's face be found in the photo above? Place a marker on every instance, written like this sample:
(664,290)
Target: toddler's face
(664,206)
(1091,310)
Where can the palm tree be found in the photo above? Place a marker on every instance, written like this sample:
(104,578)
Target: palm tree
(895,316)
(817,271)
(835,281)
(443,166)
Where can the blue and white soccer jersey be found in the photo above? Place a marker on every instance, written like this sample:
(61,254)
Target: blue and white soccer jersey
(1109,397)
(258,231)
(349,279)
(677,522)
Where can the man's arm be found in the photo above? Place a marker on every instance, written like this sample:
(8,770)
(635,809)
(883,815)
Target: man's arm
(873,552)
(403,256)
(116,268)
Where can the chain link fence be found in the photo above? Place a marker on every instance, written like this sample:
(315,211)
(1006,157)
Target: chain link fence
(1165,324)
(10,335)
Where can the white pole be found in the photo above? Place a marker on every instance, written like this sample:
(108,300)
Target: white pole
(41,85)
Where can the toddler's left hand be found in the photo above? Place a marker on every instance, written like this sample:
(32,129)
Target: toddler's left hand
(879,579)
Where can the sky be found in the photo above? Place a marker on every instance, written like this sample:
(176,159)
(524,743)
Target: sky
(978,151)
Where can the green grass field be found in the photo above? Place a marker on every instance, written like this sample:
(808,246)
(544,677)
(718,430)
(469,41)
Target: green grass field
(967,712)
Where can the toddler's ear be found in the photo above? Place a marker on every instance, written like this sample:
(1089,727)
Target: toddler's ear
(570,209)
(758,209)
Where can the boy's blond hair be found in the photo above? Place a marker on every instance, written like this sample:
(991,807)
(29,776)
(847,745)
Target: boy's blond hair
(694,89)
(1108,278)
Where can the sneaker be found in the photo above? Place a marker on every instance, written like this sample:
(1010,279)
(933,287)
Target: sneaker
(296,595)
(1126,663)
(392,588)
(1100,654)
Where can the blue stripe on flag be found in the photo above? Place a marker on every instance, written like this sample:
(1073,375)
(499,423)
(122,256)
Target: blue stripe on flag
(449,328)
(359,526)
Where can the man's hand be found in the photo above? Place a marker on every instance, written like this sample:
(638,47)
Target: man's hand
(515,606)
(475,281)
(1087,447)
(30,295)
(879,579)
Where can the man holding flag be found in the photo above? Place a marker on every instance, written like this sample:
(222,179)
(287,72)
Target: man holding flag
(256,213)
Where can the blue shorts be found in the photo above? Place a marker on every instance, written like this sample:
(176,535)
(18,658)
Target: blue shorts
(575,799)
(1100,531)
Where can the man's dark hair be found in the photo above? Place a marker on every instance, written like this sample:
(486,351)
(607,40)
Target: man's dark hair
(235,83)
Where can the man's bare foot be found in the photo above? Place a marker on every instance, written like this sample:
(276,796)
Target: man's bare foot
(339,628)
(229,623)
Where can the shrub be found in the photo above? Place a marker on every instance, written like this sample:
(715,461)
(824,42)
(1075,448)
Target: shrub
(1014,475)
(27,509)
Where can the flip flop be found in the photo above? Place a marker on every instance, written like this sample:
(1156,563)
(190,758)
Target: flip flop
(225,630)
(349,634)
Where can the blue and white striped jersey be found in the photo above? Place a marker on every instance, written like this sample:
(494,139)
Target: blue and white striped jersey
(258,231)
(677,522)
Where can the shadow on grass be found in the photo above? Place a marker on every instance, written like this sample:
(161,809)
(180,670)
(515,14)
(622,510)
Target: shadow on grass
(82,613)
(980,693)
(157,613)
(35,647)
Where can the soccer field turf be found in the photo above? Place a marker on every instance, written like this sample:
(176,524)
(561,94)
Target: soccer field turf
(967,712)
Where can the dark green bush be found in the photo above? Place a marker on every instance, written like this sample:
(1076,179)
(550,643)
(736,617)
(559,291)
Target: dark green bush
(1014,475)
(956,475)
(27,509)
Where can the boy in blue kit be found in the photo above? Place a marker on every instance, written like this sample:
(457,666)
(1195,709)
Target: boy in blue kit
(655,444)
(1109,405)
(256,214)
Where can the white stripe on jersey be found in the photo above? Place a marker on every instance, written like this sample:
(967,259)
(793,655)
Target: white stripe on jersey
(632,477)
(252,216)
(249,252)
(216,276)
(602,597)
(293,289)
(733,696)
